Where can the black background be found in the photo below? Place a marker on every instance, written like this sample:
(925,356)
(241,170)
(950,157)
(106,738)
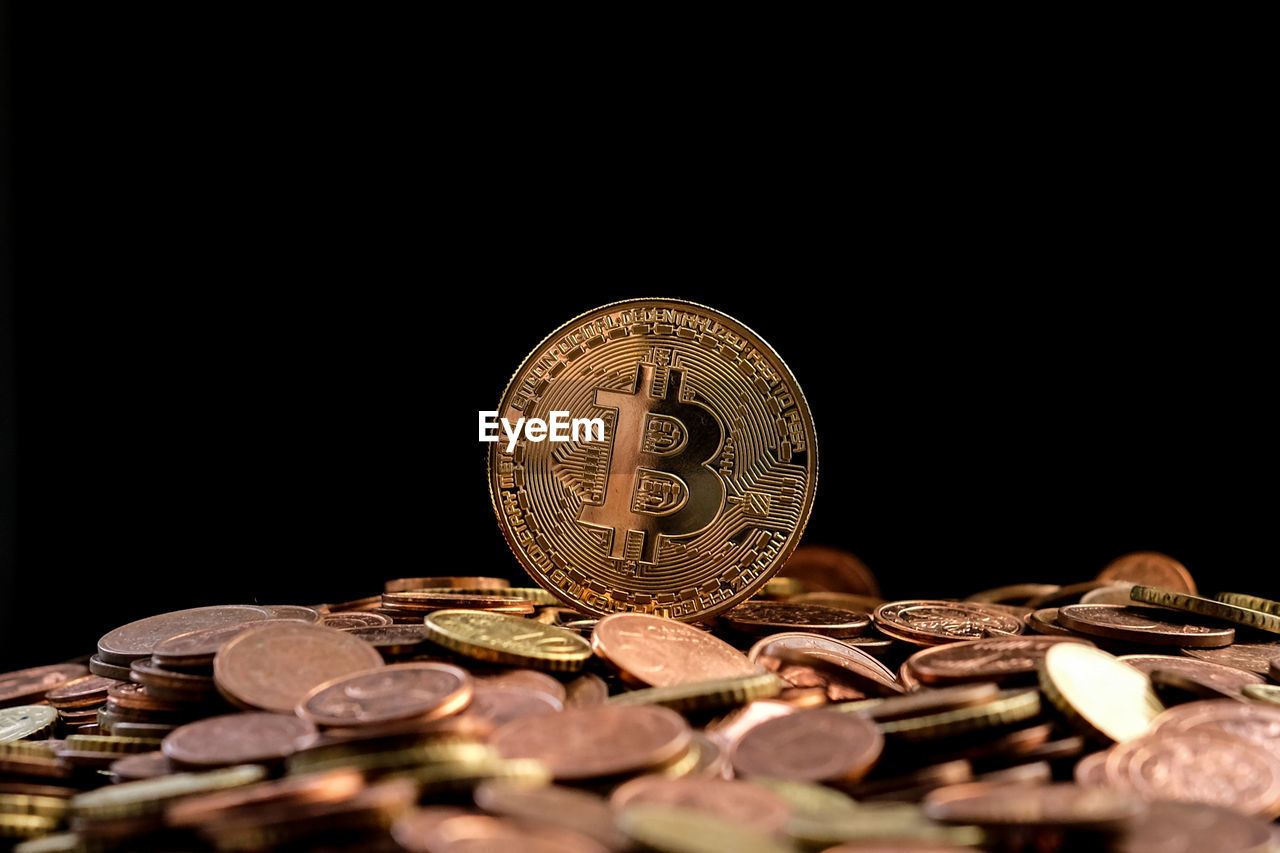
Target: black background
(260,292)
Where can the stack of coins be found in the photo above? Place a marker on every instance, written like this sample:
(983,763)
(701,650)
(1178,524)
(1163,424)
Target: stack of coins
(1126,713)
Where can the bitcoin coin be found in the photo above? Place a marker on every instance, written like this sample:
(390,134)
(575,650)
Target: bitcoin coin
(702,483)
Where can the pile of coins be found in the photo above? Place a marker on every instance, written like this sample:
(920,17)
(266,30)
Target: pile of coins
(1127,713)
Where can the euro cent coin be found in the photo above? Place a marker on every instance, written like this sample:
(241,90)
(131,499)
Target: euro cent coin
(701,484)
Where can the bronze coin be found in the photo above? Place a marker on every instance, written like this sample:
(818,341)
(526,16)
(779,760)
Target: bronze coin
(138,639)
(1090,771)
(296,792)
(1018,593)
(424,691)
(767,617)
(98,666)
(1254,721)
(1063,805)
(1222,680)
(565,807)
(1069,594)
(1180,827)
(427,601)
(292,612)
(500,705)
(831,662)
(931,623)
(135,696)
(485,834)
(817,745)
(144,765)
(169,685)
(357,619)
(1253,657)
(28,685)
(1149,568)
(391,639)
(85,691)
(1045,621)
(994,659)
(412,830)
(1200,765)
(196,649)
(929,702)
(586,689)
(825,569)
(597,741)
(741,802)
(660,652)
(411,584)
(242,738)
(1142,625)
(531,679)
(273,667)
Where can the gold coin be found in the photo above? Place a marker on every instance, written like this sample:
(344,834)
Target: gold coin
(680,830)
(704,695)
(1252,602)
(1102,694)
(149,796)
(536,594)
(23,721)
(26,825)
(54,807)
(63,842)
(1009,706)
(499,638)
(699,486)
(1262,692)
(1259,619)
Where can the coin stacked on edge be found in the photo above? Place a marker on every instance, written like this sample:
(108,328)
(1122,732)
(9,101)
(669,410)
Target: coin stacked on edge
(458,713)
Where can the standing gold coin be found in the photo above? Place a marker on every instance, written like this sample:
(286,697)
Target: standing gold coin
(498,638)
(700,485)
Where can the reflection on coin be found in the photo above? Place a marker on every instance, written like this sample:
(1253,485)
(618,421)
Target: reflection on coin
(1102,694)
(1149,568)
(845,664)
(740,802)
(236,739)
(994,659)
(767,617)
(1142,625)
(1252,721)
(660,652)
(809,746)
(704,479)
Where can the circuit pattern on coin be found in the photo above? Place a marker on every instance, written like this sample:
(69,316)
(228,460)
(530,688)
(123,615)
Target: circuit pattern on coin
(704,479)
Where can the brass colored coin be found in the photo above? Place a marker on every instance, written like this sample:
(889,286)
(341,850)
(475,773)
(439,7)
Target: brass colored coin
(236,739)
(294,792)
(703,482)
(1262,693)
(1144,625)
(742,803)
(930,623)
(1149,568)
(924,702)
(704,695)
(535,594)
(1063,805)
(1010,706)
(98,666)
(356,619)
(660,652)
(767,617)
(424,602)
(1102,694)
(26,825)
(116,745)
(896,827)
(410,584)
(672,829)
(1251,602)
(150,796)
(817,745)
(196,649)
(1222,680)
(422,691)
(779,588)
(995,659)
(824,569)
(499,638)
(11,804)
(806,799)
(597,742)
(1186,602)
(138,639)
(274,666)
(27,685)
(26,721)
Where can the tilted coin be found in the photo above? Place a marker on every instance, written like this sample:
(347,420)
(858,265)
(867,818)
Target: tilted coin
(704,695)
(391,640)
(1045,621)
(1008,707)
(86,691)
(1150,568)
(236,739)
(924,702)
(817,745)
(672,829)
(1170,826)
(296,792)
(98,666)
(598,741)
(1262,693)
(767,617)
(586,689)
(660,652)
(1113,594)
(1090,771)
(833,662)
(414,601)
(1069,594)
(500,638)
(1142,625)
(502,704)
(1186,602)
(423,691)
(452,582)
(701,485)
(897,827)
(994,659)
(138,639)
(1103,695)
(1062,805)
(930,623)
(357,619)
(144,765)
(196,649)
(150,796)
(26,721)
(531,679)
(535,595)
(1253,721)
(1225,680)
(273,667)
(565,807)
(740,802)
(27,685)
(294,612)
(1252,657)
(1252,602)
(824,569)
(1018,593)
(465,833)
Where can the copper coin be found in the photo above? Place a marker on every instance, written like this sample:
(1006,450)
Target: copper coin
(85,691)
(597,741)
(196,649)
(1222,680)
(1149,568)
(138,639)
(929,702)
(1018,593)
(1253,657)
(98,666)
(292,612)
(530,678)
(485,834)
(831,660)
(1069,594)
(28,685)
(144,765)
(586,689)
(1255,722)
(1045,621)
(1090,771)
(1063,805)
(741,802)
(1142,625)
(236,739)
(168,685)
(402,691)
(817,745)
(825,569)
(273,667)
(767,617)
(565,807)
(355,605)
(994,659)
(427,601)
(1180,827)
(411,584)
(296,792)
(392,639)
(1200,766)
(931,623)
(659,652)
(500,705)
(347,621)
(136,697)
